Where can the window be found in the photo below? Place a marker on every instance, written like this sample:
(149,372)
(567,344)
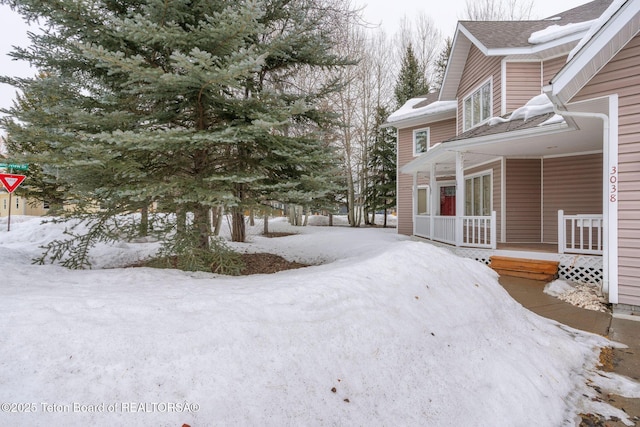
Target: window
(423,201)
(477,195)
(477,106)
(420,141)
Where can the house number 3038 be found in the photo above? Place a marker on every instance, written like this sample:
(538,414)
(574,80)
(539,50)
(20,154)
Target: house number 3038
(613,185)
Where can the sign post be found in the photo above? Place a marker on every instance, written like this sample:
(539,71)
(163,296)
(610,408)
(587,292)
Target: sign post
(10,182)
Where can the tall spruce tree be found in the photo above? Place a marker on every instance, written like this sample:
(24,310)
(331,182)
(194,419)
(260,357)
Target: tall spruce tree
(411,80)
(442,62)
(381,191)
(184,105)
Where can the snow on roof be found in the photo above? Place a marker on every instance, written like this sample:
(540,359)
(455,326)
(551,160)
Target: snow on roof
(554,32)
(536,106)
(408,110)
(596,24)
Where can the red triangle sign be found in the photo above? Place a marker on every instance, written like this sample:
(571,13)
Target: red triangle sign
(11,181)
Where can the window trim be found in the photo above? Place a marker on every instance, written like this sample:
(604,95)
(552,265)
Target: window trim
(427,189)
(487,172)
(477,90)
(415,131)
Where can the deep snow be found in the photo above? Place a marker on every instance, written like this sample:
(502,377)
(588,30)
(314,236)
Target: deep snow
(383,331)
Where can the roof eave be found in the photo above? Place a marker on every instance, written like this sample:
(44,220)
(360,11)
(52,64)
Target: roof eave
(463,145)
(623,25)
(422,120)
(461,43)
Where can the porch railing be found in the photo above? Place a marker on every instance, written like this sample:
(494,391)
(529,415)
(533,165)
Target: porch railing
(580,234)
(476,231)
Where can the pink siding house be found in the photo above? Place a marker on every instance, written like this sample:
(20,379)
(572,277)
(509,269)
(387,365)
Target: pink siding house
(531,149)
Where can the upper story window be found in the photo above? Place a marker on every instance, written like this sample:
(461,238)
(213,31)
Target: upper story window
(420,141)
(477,106)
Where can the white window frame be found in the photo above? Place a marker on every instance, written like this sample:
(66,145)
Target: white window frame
(486,173)
(477,91)
(415,132)
(427,201)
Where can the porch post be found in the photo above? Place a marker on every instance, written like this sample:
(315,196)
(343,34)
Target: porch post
(414,199)
(561,232)
(610,202)
(459,196)
(433,199)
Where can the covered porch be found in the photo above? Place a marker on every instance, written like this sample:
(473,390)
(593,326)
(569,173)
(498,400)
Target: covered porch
(539,191)
(577,234)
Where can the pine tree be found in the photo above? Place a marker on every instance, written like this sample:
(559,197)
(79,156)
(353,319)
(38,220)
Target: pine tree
(411,81)
(184,105)
(381,192)
(442,62)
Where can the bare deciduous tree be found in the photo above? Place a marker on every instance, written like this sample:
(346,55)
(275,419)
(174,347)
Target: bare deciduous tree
(498,10)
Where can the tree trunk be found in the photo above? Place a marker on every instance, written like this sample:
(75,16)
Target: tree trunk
(202,226)
(252,219)
(385,218)
(351,200)
(144,221)
(306,217)
(265,229)
(330,219)
(238,230)
(181,219)
(217,220)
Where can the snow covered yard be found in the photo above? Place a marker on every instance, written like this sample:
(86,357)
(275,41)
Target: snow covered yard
(380,331)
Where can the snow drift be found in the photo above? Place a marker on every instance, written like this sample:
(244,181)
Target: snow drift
(391,332)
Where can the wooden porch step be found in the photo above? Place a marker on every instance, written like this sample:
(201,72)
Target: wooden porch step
(526,268)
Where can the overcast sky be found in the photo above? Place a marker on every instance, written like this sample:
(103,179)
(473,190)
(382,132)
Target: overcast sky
(387,13)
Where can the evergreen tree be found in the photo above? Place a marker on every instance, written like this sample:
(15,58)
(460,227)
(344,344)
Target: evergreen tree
(185,105)
(381,192)
(412,80)
(442,62)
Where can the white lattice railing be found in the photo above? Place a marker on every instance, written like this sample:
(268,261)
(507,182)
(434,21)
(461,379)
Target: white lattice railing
(477,231)
(580,234)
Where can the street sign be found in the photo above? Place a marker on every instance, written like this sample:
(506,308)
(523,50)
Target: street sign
(11,181)
(15,166)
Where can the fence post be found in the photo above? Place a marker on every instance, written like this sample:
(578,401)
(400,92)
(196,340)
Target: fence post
(494,238)
(561,232)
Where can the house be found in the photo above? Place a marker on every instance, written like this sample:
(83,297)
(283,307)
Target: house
(531,149)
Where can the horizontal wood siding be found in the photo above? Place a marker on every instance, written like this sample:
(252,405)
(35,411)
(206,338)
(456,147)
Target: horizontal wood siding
(551,67)
(622,76)
(523,82)
(573,184)
(524,205)
(478,69)
(438,132)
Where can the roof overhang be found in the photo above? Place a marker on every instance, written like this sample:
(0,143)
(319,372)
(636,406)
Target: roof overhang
(576,136)
(610,37)
(464,39)
(421,120)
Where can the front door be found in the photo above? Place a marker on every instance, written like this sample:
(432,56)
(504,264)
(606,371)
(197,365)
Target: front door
(448,200)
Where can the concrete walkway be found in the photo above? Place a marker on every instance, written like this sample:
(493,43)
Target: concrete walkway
(625,361)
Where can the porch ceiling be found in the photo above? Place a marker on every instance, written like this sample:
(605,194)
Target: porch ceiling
(578,136)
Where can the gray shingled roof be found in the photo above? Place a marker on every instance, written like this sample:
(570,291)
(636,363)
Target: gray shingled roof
(512,34)
(509,126)
(429,98)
